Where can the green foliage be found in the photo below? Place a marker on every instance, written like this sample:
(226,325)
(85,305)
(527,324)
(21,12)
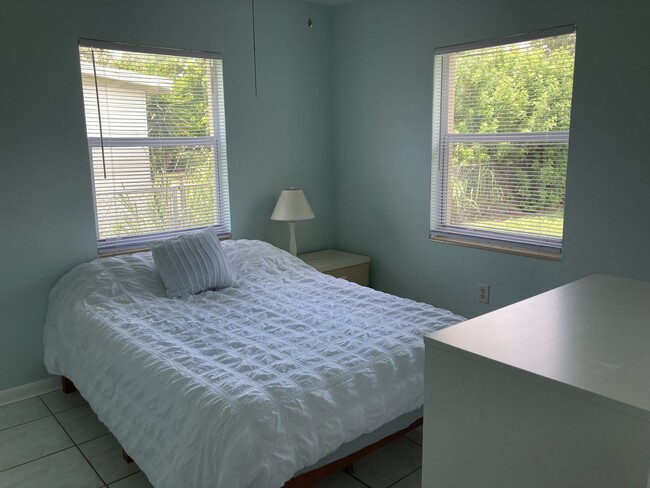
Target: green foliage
(509,90)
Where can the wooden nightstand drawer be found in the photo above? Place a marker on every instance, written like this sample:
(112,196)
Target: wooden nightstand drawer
(357,274)
(349,266)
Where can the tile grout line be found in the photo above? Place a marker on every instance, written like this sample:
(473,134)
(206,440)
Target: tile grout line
(74,443)
(38,458)
(411,440)
(65,409)
(50,414)
(127,476)
(91,465)
(392,484)
(77,445)
(404,477)
(106,434)
(362,482)
(26,422)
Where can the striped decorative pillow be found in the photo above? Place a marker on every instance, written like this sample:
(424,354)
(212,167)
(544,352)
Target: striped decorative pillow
(192,263)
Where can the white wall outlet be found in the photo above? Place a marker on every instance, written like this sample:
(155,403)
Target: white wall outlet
(483,293)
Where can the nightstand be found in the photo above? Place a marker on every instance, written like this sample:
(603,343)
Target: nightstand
(351,267)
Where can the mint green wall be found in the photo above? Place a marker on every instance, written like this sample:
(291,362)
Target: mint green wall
(279,139)
(382,92)
(344,111)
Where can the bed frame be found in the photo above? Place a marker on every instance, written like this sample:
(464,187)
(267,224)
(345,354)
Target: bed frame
(310,478)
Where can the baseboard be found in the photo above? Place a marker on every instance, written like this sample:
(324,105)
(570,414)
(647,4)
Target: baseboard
(29,390)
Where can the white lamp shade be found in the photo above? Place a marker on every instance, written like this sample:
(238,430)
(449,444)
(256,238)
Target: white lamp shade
(292,206)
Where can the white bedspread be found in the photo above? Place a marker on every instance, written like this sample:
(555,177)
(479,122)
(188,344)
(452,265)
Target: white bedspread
(240,387)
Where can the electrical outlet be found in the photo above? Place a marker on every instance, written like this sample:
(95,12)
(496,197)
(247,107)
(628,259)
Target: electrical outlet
(483,293)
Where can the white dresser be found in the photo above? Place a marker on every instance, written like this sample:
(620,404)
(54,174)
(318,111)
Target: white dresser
(553,391)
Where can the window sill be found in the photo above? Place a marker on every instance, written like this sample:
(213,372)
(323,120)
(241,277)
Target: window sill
(109,252)
(505,248)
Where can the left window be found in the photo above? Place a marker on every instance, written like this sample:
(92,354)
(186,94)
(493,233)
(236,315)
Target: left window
(156,141)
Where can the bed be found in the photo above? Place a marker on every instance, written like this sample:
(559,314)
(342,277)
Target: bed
(241,387)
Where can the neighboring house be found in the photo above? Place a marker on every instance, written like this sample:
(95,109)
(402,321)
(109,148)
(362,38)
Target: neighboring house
(118,171)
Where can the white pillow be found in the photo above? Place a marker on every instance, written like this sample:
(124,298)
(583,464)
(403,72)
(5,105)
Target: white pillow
(192,263)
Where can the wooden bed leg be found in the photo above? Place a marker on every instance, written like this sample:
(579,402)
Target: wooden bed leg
(67,386)
(349,469)
(126,457)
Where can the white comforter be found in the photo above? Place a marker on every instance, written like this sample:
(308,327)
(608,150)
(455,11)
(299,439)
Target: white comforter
(238,387)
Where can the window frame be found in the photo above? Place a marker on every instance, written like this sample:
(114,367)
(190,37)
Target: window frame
(222,226)
(546,247)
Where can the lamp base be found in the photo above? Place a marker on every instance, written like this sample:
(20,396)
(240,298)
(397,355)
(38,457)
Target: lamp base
(293,249)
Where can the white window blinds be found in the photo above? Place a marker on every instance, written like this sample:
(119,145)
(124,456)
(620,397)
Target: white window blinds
(157,142)
(501,114)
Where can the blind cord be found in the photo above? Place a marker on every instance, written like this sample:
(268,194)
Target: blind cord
(99,113)
(309,22)
(254,47)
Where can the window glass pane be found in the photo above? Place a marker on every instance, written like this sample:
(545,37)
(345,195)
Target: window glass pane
(522,87)
(512,187)
(145,193)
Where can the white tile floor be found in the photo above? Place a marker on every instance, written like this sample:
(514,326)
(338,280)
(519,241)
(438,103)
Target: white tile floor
(56,441)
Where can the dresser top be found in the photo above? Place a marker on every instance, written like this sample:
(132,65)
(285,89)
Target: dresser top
(591,336)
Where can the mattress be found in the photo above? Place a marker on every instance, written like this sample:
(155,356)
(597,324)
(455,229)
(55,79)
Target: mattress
(240,387)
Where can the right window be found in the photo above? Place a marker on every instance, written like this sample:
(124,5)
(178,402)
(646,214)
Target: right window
(501,117)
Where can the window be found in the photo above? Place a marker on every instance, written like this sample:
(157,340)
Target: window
(157,142)
(501,114)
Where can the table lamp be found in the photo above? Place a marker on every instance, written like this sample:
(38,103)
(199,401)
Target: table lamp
(291,207)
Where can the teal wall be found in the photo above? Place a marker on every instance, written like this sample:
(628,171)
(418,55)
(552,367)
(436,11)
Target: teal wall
(344,111)
(382,92)
(279,139)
